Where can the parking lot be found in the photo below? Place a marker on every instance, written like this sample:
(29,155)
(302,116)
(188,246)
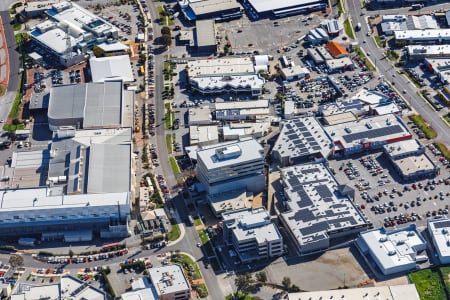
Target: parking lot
(384,198)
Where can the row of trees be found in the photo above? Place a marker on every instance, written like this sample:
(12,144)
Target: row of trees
(166,36)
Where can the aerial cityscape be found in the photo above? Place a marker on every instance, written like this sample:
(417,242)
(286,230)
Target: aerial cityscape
(224,149)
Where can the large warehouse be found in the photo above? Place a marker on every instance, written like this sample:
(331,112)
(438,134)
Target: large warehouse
(46,210)
(221,10)
(279,9)
(90,105)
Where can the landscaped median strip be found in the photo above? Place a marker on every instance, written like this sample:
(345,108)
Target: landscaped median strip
(424,126)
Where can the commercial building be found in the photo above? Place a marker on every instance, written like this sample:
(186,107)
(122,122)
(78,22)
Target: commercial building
(419,52)
(170,283)
(410,160)
(367,134)
(220,10)
(301,140)
(203,135)
(315,214)
(393,251)
(343,63)
(205,37)
(252,234)
(334,27)
(317,36)
(337,50)
(438,230)
(111,68)
(225,75)
(231,166)
(201,116)
(294,72)
(236,131)
(279,9)
(70,32)
(440,67)
(230,201)
(141,289)
(42,210)
(242,110)
(427,36)
(395,292)
(90,105)
(68,287)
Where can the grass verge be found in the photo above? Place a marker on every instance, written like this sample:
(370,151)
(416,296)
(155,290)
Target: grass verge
(198,222)
(424,126)
(348,29)
(189,265)
(340,8)
(413,80)
(428,285)
(174,165)
(15,109)
(163,16)
(363,57)
(169,143)
(447,119)
(174,233)
(379,42)
(2,90)
(444,150)
(167,119)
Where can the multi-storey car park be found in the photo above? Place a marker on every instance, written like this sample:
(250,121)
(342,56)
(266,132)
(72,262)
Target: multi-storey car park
(316,213)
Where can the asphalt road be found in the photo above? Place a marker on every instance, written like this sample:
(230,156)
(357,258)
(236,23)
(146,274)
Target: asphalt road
(191,237)
(386,68)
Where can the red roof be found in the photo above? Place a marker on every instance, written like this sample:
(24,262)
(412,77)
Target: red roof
(336,49)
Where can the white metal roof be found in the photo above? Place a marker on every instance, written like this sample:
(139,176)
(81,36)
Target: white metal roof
(267,5)
(111,68)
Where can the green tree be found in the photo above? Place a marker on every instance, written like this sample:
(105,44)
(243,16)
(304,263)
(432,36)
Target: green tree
(294,289)
(166,40)
(286,282)
(71,253)
(242,283)
(16,261)
(165,30)
(261,276)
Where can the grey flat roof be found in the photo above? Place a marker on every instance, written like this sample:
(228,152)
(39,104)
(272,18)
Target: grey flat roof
(99,104)
(109,168)
(213,6)
(205,33)
(250,150)
(67,101)
(103,105)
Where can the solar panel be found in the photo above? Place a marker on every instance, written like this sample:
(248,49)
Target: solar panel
(442,224)
(312,170)
(317,227)
(316,148)
(373,133)
(324,191)
(307,134)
